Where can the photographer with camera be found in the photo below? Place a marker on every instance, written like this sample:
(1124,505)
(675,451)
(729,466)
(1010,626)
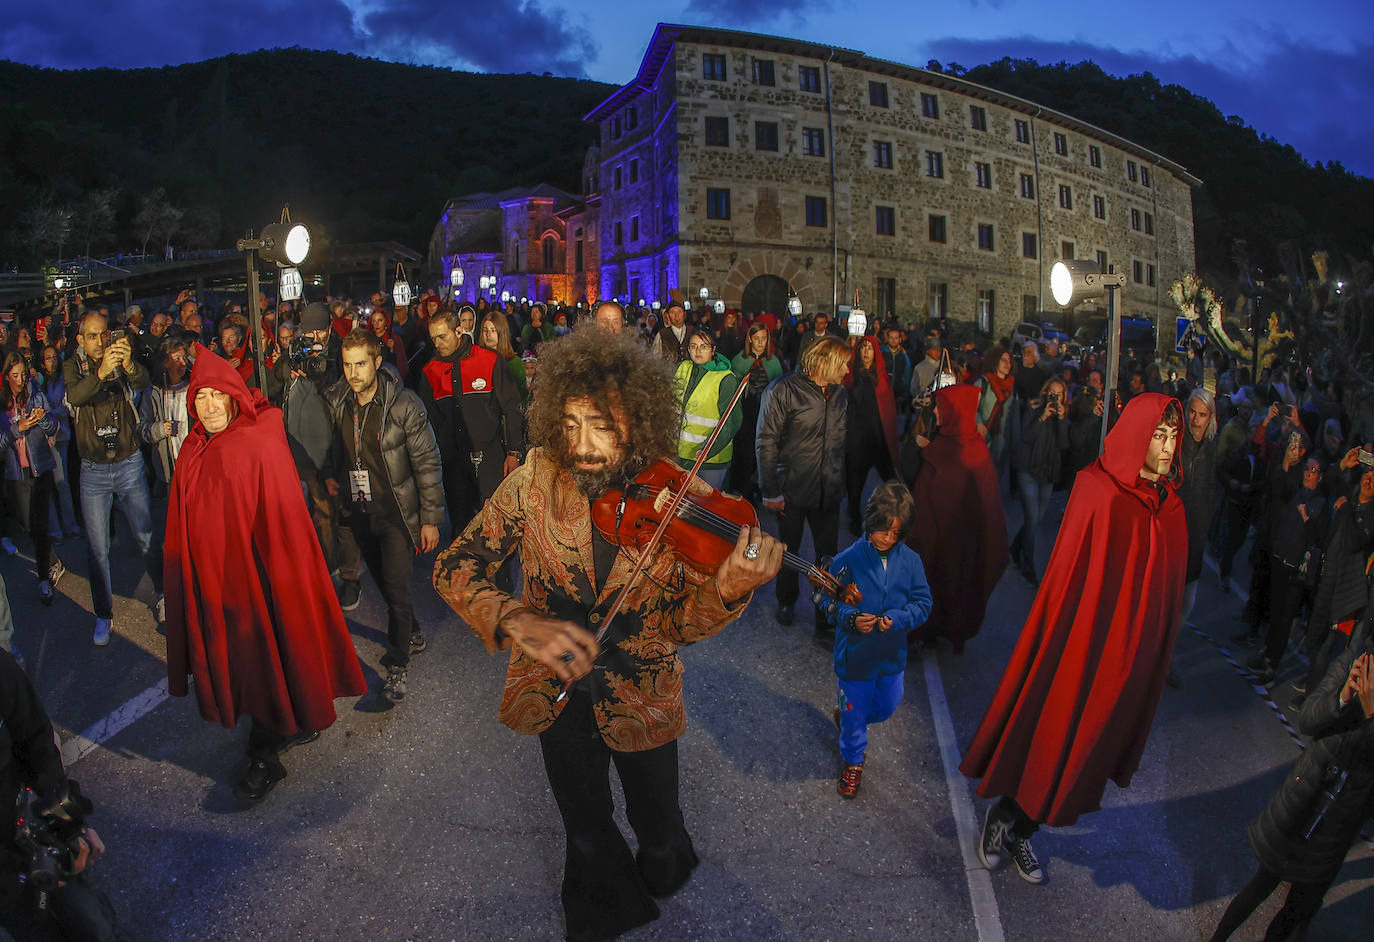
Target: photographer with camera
(1037,463)
(101,382)
(44,860)
(1304,833)
(303,375)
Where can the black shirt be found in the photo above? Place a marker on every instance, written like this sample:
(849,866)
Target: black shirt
(362,426)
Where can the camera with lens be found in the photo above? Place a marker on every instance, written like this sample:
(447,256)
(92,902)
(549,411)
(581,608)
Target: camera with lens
(304,355)
(1054,398)
(46,835)
(109,437)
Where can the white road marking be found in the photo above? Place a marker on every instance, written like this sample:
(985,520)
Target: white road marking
(89,739)
(987,920)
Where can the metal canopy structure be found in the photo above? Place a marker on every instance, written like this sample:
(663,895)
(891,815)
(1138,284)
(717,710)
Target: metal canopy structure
(102,281)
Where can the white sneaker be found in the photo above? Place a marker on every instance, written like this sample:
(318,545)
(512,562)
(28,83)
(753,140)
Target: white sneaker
(101,637)
(1027,864)
(8,546)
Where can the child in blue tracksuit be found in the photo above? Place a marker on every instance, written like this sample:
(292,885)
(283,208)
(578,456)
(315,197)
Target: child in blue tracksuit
(870,641)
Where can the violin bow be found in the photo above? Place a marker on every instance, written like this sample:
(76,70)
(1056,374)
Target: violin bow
(669,512)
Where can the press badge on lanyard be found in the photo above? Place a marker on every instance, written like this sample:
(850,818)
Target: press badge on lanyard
(359,481)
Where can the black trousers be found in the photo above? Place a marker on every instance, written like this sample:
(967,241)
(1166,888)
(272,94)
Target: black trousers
(389,554)
(825,534)
(1237,527)
(79,910)
(467,487)
(30,499)
(1022,824)
(1285,601)
(606,890)
(858,459)
(1290,923)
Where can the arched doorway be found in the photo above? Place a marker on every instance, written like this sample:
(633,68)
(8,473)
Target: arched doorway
(765,293)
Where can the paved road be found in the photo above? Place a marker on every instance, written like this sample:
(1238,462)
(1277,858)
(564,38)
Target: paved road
(432,821)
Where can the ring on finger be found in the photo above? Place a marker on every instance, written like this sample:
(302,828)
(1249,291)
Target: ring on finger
(751,551)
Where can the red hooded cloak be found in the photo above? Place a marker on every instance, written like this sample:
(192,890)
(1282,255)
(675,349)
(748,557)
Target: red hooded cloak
(961,529)
(251,610)
(887,403)
(1077,699)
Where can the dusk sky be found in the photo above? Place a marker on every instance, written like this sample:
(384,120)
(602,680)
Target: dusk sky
(1300,72)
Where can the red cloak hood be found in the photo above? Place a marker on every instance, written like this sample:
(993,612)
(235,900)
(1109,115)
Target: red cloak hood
(251,610)
(887,403)
(961,529)
(1075,704)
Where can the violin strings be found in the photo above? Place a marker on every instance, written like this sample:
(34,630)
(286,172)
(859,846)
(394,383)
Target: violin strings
(711,521)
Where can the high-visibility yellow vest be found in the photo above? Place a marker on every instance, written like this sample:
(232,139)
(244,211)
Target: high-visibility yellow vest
(700,414)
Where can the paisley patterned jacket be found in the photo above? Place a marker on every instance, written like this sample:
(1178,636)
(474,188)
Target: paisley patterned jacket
(636,683)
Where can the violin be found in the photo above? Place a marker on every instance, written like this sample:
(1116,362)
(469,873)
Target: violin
(704,530)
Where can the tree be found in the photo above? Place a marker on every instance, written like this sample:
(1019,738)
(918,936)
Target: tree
(153,214)
(48,224)
(95,217)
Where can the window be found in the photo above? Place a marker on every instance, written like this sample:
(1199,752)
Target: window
(1061,144)
(1028,246)
(877,94)
(1135,219)
(1149,224)
(1138,272)
(1022,131)
(882,154)
(717,132)
(985,236)
(1100,207)
(1066,250)
(815,211)
(577,254)
(717,204)
(1030,308)
(591,184)
(763,72)
(634,170)
(809,78)
(937,229)
(813,142)
(619,233)
(985,310)
(615,128)
(1094,155)
(977,117)
(765,135)
(632,118)
(1144,176)
(930,105)
(550,246)
(1150,275)
(935,163)
(713,66)
(1065,196)
(619,177)
(1102,261)
(1130,170)
(887,220)
(939,299)
(982,174)
(1028,186)
(634,228)
(885,296)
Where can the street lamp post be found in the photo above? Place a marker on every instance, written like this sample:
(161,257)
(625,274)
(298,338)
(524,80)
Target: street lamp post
(287,245)
(1073,282)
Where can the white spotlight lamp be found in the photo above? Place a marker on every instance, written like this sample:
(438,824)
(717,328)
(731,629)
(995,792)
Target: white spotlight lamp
(285,243)
(1075,281)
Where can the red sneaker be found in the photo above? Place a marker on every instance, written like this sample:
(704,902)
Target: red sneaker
(850,777)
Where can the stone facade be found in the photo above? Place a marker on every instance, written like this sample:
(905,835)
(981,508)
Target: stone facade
(756,166)
(765,163)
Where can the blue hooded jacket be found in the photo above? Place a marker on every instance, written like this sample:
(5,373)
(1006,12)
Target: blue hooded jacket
(900,592)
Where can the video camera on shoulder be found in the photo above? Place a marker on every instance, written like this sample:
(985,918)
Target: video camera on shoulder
(305,355)
(46,834)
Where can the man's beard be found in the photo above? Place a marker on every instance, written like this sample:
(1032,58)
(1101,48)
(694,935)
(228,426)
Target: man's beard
(595,483)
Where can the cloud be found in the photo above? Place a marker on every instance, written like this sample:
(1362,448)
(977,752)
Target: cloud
(495,36)
(731,13)
(1311,97)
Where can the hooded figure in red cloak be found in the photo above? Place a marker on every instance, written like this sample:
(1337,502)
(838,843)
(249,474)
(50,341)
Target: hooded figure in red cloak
(1078,697)
(961,529)
(276,651)
(871,436)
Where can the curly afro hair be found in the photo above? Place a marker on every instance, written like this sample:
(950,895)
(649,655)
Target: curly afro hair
(618,375)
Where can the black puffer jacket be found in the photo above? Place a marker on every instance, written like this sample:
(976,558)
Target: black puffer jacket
(408,451)
(1342,737)
(800,442)
(1042,445)
(1344,585)
(1198,491)
(27,757)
